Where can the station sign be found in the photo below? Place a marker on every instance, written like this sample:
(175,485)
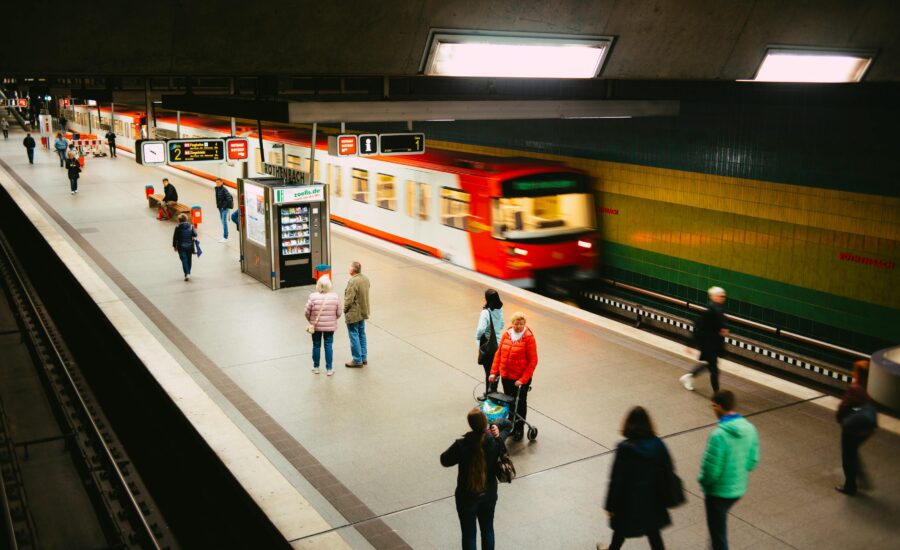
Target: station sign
(238,148)
(368,145)
(150,152)
(344,145)
(187,151)
(401,144)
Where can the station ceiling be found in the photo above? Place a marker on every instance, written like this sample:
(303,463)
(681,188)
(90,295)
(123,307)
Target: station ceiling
(697,40)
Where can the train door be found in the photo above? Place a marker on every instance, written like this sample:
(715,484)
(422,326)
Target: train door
(417,206)
(451,221)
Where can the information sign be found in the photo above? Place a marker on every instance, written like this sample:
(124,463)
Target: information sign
(237,148)
(368,144)
(401,144)
(184,151)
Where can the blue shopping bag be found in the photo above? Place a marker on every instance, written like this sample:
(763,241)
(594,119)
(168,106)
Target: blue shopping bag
(197,249)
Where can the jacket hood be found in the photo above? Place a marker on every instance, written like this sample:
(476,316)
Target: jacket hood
(647,447)
(735,426)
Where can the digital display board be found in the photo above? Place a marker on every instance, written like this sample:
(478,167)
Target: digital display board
(546,184)
(401,144)
(184,151)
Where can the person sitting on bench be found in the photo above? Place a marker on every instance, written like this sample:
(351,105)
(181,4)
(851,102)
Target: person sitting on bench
(171,197)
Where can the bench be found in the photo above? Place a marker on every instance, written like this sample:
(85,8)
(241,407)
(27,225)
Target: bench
(173,210)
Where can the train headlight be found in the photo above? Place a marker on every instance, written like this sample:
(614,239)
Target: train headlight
(518,251)
(585,244)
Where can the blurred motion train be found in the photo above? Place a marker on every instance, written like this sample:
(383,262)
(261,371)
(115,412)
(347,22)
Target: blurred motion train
(529,222)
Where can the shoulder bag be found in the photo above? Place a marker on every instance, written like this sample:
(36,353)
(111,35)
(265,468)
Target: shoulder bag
(672,487)
(506,470)
(312,328)
(488,345)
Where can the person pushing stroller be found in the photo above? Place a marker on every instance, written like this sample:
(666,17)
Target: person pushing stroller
(514,363)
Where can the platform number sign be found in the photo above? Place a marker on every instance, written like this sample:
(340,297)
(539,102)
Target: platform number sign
(368,144)
(183,151)
(401,144)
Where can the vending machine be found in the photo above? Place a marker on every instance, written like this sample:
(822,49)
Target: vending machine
(284,231)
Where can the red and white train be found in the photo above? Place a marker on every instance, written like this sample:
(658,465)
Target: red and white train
(522,220)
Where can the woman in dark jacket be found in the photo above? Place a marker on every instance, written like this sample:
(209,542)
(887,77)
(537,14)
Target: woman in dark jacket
(476,454)
(637,485)
(183,243)
(74,169)
(855,431)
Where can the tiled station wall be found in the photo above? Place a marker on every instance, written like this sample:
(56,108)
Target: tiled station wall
(794,208)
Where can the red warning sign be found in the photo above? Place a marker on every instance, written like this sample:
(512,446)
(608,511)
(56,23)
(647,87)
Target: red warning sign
(237,149)
(347,145)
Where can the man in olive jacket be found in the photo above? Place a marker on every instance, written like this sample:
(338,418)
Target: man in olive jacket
(732,452)
(356,311)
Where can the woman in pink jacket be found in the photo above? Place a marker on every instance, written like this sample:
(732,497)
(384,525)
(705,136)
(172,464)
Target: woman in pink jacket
(323,309)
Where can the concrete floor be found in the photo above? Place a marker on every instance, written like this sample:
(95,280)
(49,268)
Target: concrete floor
(379,430)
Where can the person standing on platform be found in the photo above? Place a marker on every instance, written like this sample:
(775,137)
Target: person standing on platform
(709,334)
(74,169)
(732,452)
(63,123)
(858,418)
(111,141)
(61,145)
(640,476)
(29,144)
(224,202)
(4,125)
(514,364)
(356,311)
(170,196)
(490,323)
(183,243)
(476,453)
(323,309)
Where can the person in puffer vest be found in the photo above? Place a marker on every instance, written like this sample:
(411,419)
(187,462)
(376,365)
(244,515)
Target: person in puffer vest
(323,309)
(514,363)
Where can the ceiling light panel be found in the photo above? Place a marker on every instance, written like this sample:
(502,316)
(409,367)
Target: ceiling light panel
(820,66)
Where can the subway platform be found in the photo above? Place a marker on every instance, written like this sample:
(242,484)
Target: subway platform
(352,460)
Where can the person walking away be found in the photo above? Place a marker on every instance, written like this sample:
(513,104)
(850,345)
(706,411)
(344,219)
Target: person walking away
(323,309)
(709,334)
(356,311)
(63,123)
(183,243)
(74,169)
(61,145)
(514,363)
(4,125)
(224,202)
(732,452)
(638,482)
(170,196)
(111,141)
(29,144)
(476,454)
(858,418)
(490,324)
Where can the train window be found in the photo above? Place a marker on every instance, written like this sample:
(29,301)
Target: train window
(334,172)
(318,175)
(360,185)
(275,156)
(294,163)
(385,193)
(455,208)
(417,196)
(260,169)
(535,217)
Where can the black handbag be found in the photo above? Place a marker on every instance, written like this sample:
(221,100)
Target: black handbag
(673,488)
(488,345)
(506,470)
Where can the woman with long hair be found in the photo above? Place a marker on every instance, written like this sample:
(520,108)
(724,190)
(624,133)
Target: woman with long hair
(476,455)
(490,321)
(641,470)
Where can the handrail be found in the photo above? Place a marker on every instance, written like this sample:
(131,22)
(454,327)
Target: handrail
(760,326)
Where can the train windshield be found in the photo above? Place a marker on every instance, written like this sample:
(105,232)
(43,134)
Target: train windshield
(542,206)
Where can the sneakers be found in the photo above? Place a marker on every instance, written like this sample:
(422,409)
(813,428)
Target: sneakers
(365,361)
(186,277)
(687,381)
(843,489)
(315,370)
(329,372)
(72,193)
(222,241)
(353,365)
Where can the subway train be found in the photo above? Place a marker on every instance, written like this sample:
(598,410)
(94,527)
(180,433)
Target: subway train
(529,222)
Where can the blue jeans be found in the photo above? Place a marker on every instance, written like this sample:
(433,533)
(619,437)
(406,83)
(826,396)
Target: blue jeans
(73,184)
(479,508)
(317,353)
(357,333)
(223,215)
(185,256)
(716,520)
(62,157)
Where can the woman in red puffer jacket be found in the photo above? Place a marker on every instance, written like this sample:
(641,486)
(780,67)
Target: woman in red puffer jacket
(514,362)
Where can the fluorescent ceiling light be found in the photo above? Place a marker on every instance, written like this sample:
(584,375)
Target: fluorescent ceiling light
(811,65)
(473,54)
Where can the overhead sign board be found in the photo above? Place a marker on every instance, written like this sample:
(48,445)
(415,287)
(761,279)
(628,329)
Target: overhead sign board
(300,193)
(368,144)
(184,151)
(401,144)
(238,148)
(14,102)
(150,152)
(344,145)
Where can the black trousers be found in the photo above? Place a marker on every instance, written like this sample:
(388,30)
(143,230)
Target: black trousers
(712,363)
(717,520)
(30,154)
(509,388)
(850,444)
(73,184)
(112,148)
(655,539)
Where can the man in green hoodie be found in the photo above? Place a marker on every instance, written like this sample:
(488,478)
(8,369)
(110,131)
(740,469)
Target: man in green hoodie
(731,454)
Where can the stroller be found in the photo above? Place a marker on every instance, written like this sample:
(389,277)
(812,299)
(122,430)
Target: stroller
(500,406)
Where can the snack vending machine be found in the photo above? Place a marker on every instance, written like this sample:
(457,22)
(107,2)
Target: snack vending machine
(284,231)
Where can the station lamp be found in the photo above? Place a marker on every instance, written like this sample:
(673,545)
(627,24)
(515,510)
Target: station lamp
(815,65)
(513,55)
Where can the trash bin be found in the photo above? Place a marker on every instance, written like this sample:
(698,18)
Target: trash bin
(44,142)
(321,269)
(148,190)
(196,215)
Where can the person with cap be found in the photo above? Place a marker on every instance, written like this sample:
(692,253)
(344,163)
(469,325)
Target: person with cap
(710,331)
(29,144)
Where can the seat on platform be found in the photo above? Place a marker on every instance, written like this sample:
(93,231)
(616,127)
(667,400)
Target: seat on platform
(173,210)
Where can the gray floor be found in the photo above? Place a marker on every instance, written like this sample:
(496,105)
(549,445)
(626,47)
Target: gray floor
(379,430)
